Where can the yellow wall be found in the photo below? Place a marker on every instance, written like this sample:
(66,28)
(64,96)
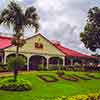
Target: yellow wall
(48,48)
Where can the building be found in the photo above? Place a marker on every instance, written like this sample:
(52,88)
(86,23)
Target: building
(39,50)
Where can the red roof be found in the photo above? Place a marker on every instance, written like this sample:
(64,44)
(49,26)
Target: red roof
(5,42)
(72,53)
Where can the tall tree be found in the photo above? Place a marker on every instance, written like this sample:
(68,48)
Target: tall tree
(18,18)
(91,34)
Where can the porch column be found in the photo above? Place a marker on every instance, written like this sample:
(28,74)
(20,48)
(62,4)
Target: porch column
(83,62)
(4,59)
(63,61)
(71,61)
(58,64)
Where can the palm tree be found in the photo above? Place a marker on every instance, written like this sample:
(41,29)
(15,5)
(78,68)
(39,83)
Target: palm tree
(14,16)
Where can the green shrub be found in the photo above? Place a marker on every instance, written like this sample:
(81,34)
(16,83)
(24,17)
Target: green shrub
(60,72)
(3,67)
(50,67)
(77,64)
(19,85)
(55,67)
(41,67)
(12,60)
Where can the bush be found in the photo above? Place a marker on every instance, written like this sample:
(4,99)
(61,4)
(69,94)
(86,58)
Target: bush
(77,64)
(19,85)
(60,72)
(3,67)
(12,60)
(41,67)
(51,67)
(55,67)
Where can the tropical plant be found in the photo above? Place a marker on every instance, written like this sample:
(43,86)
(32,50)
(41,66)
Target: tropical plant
(14,16)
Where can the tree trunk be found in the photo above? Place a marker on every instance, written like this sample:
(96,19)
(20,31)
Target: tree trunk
(16,65)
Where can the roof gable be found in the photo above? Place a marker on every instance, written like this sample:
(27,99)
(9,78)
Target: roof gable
(48,47)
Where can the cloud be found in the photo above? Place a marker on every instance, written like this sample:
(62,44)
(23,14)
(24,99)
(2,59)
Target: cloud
(26,2)
(62,20)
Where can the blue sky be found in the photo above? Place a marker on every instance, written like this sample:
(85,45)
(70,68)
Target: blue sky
(61,20)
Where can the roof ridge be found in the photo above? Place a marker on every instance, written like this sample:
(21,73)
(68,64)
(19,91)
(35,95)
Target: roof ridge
(6,37)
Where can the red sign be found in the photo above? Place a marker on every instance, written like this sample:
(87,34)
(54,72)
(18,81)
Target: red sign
(38,45)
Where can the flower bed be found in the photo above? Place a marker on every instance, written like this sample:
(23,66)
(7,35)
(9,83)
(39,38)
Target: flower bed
(92,76)
(20,85)
(48,78)
(69,77)
(82,77)
(92,96)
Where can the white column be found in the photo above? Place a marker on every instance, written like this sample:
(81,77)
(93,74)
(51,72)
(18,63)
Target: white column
(4,61)
(63,61)
(71,61)
(83,62)
(58,64)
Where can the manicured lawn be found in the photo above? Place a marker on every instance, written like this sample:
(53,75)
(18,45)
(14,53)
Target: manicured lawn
(60,88)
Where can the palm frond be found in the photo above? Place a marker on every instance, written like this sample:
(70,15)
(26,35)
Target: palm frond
(1,20)
(14,7)
(15,16)
(4,12)
(30,11)
(32,18)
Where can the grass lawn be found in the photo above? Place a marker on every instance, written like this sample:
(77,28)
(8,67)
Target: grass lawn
(60,88)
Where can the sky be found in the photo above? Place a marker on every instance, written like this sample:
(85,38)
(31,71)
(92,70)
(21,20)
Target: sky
(61,20)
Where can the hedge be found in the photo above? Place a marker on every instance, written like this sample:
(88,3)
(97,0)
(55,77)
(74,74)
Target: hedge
(20,85)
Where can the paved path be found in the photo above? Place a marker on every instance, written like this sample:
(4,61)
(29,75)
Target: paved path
(11,73)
